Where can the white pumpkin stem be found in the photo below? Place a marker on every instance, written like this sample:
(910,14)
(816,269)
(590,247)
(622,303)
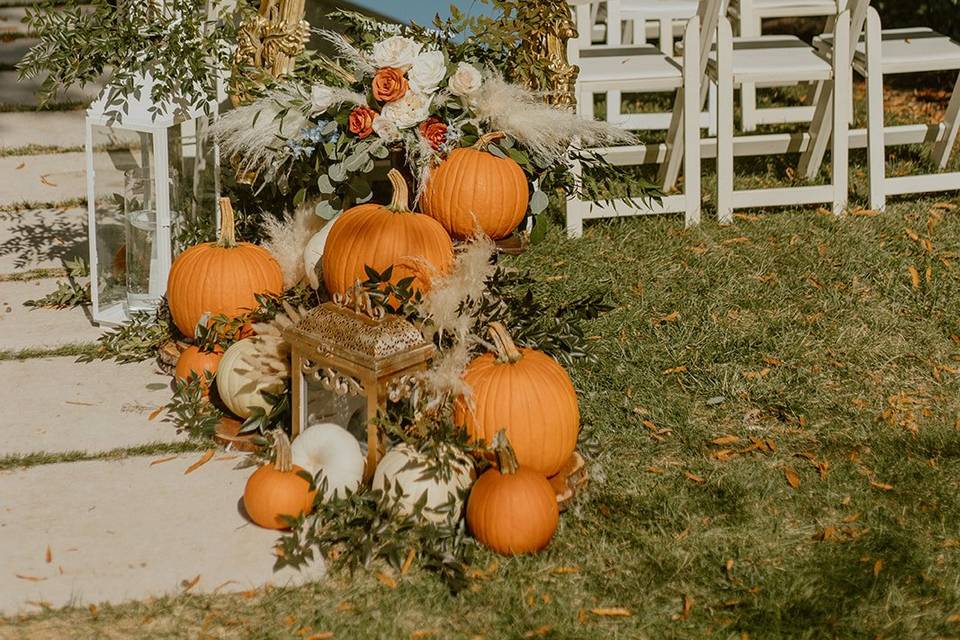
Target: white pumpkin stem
(228,224)
(487,138)
(401,193)
(506,458)
(282,456)
(506,349)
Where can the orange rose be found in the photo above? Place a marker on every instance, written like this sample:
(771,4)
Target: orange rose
(434,131)
(389,84)
(361,121)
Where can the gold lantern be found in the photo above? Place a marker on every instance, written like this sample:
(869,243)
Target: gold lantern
(350,354)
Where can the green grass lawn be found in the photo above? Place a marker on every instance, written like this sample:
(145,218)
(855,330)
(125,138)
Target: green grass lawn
(775,421)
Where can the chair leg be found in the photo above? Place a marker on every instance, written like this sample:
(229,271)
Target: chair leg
(876,149)
(725,157)
(614,104)
(669,170)
(691,124)
(812,158)
(574,204)
(941,151)
(712,109)
(841,122)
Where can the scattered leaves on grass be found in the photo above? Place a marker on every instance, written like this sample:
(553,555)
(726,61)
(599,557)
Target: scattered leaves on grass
(387,580)
(737,240)
(914,277)
(792,478)
(671,317)
(883,486)
(323,635)
(954,618)
(680,369)
(408,561)
(539,632)
(693,477)
(93,609)
(423,633)
(725,440)
(204,459)
(877,567)
(865,213)
(611,612)
(560,571)
(687,607)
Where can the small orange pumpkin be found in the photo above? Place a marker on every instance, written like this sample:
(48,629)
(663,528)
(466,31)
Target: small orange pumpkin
(474,187)
(193,360)
(220,277)
(276,489)
(380,237)
(527,393)
(513,509)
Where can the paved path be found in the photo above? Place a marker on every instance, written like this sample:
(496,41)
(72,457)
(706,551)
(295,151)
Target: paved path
(112,528)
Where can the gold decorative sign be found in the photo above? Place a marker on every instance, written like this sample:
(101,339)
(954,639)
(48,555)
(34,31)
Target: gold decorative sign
(549,25)
(271,41)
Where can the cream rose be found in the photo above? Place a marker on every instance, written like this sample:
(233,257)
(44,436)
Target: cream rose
(466,80)
(408,111)
(321,98)
(386,129)
(428,71)
(397,52)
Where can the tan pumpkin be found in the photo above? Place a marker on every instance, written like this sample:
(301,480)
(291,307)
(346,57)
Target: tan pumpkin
(512,509)
(380,237)
(275,490)
(527,393)
(220,277)
(474,187)
(249,367)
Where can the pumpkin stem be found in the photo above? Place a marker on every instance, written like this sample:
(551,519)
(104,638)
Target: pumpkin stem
(401,193)
(506,458)
(228,227)
(282,456)
(506,350)
(487,138)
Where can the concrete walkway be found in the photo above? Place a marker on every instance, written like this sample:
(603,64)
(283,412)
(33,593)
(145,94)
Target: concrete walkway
(112,528)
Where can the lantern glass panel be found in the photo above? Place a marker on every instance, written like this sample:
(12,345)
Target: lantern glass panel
(193,202)
(348,411)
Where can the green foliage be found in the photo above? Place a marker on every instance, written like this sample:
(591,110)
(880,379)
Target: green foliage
(183,48)
(137,340)
(190,410)
(70,293)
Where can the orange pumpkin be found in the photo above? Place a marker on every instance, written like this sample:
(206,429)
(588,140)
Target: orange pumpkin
(193,360)
(276,489)
(527,393)
(512,509)
(474,187)
(380,237)
(220,277)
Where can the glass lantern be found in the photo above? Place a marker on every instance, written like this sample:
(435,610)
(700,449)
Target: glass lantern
(152,188)
(348,360)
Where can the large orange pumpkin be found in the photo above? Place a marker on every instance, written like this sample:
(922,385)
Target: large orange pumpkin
(527,393)
(512,509)
(474,187)
(198,362)
(220,277)
(380,237)
(277,489)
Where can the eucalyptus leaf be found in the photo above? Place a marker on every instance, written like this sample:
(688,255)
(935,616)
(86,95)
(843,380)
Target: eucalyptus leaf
(337,172)
(326,210)
(325,185)
(539,202)
(497,151)
(356,162)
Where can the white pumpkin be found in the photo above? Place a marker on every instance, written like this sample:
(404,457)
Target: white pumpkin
(391,473)
(313,252)
(331,451)
(248,367)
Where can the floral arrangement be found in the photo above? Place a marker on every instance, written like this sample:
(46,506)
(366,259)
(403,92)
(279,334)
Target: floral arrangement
(402,92)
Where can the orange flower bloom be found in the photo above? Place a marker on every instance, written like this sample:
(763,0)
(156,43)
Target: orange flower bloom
(389,84)
(361,121)
(434,131)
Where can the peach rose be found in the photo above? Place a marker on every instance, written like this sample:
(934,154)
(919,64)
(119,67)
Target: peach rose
(434,131)
(389,84)
(361,121)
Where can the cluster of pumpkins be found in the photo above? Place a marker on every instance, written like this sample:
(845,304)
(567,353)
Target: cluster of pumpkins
(523,404)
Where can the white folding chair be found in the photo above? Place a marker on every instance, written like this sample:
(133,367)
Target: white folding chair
(783,59)
(898,51)
(748,16)
(646,69)
(639,15)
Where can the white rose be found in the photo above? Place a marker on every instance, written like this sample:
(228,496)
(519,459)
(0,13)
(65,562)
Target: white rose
(466,80)
(397,52)
(428,71)
(409,111)
(321,97)
(386,129)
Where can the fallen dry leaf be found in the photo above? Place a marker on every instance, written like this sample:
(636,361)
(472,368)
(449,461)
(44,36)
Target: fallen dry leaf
(323,635)
(877,567)
(773,362)
(20,166)
(153,414)
(408,562)
(30,578)
(883,486)
(162,460)
(914,277)
(865,213)
(423,633)
(49,555)
(539,632)
(913,235)
(611,612)
(671,317)
(693,477)
(224,584)
(687,607)
(190,584)
(204,459)
(729,568)
(582,616)
(93,609)
(944,206)
(560,571)
(738,240)
(680,369)
(954,618)
(792,478)
(344,606)
(725,440)
(387,580)
(46,181)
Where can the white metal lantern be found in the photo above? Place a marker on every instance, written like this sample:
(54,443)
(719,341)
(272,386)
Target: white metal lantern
(152,188)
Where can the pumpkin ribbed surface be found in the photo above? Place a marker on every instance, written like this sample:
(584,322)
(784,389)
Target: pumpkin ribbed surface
(270,494)
(474,187)
(379,237)
(513,513)
(533,399)
(220,278)
(195,361)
